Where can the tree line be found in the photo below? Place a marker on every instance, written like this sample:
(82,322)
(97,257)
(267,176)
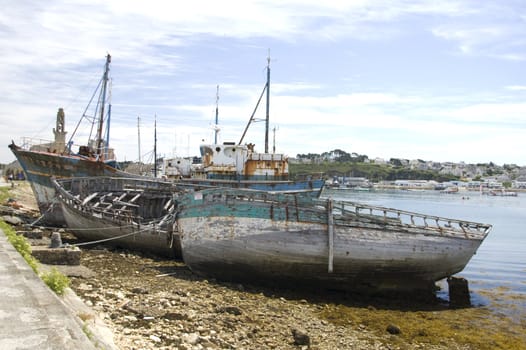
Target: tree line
(340,163)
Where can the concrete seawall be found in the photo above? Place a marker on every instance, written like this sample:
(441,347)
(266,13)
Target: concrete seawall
(31,315)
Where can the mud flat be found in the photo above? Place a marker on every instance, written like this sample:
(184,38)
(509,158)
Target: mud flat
(155,303)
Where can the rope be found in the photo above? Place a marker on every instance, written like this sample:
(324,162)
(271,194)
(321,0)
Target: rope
(89,229)
(109,239)
(101,229)
(80,229)
(49,209)
(106,239)
(37,220)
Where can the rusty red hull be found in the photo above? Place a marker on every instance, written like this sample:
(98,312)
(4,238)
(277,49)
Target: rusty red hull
(39,167)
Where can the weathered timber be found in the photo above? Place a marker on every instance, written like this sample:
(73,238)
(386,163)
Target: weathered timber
(286,238)
(331,233)
(458,292)
(132,213)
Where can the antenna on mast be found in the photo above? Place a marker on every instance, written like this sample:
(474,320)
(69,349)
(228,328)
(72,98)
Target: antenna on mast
(274,139)
(105,79)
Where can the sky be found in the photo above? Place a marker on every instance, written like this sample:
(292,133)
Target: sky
(431,80)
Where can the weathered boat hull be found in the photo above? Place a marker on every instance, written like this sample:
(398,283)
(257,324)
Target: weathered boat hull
(246,237)
(39,167)
(137,214)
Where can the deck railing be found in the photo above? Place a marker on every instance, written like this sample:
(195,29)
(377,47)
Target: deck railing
(387,215)
(297,206)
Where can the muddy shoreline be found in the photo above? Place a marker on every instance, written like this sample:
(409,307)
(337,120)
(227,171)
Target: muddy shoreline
(156,303)
(151,302)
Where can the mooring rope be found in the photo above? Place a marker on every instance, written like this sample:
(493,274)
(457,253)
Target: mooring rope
(49,209)
(80,229)
(111,238)
(37,220)
(147,226)
(105,239)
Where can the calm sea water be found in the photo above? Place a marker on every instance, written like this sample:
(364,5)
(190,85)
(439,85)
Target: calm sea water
(500,262)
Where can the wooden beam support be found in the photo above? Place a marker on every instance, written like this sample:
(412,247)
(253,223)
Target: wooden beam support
(330,226)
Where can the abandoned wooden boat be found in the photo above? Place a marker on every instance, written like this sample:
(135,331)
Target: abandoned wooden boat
(40,161)
(255,236)
(137,214)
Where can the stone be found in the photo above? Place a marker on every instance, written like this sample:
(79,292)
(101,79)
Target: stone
(56,256)
(56,241)
(155,338)
(85,286)
(34,234)
(190,338)
(12,220)
(300,337)
(139,290)
(175,316)
(393,329)
(233,310)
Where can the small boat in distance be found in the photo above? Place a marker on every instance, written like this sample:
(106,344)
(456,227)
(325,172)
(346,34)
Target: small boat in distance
(450,189)
(264,237)
(42,161)
(502,193)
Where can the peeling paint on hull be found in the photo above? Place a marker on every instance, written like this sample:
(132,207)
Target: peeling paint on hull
(241,236)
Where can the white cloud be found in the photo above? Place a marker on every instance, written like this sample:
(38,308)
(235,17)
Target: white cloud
(54,52)
(492,30)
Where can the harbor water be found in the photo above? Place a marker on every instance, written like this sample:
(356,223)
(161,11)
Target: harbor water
(498,269)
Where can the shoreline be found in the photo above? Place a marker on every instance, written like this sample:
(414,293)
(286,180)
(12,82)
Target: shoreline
(430,189)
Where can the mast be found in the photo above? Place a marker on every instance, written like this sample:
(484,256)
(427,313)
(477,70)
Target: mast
(108,123)
(103,102)
(107,143)
(139,136)
(252,119)
(268,103)
(217,115)
(155,148)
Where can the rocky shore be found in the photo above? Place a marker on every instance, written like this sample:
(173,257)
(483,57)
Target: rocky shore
(155,303)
